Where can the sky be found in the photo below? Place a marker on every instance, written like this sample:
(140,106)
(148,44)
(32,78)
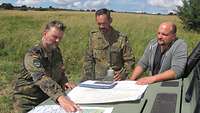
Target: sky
(149,6)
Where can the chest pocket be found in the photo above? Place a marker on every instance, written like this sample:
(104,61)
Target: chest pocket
(116,55)
(100,52)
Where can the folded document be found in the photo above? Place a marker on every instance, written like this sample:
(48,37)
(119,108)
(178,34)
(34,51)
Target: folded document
(98,84)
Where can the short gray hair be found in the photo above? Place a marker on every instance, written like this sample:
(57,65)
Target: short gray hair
(103,11)
(57,24)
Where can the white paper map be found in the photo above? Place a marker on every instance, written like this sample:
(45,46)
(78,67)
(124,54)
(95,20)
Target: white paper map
(59,109)
(123,91)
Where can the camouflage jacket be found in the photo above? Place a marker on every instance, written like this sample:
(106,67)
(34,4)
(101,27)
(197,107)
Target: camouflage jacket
(42,76)
(103,52)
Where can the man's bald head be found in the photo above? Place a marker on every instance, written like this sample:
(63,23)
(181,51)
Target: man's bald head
(166,33)
(169,25)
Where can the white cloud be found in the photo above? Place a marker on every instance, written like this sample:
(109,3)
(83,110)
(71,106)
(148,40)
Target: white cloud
(86,4)
(77,4)
(95,3)
(81,4)
(64,2)
(165,3)
(28,2)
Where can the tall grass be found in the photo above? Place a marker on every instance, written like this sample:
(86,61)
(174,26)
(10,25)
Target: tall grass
(21,30)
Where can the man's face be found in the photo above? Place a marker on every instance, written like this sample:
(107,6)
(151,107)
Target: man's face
(164,35)
(52,37)
(103,22)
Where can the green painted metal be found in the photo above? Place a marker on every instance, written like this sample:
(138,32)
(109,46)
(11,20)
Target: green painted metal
(145,104)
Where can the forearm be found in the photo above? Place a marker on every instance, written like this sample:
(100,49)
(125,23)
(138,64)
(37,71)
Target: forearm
(50,87)
(136,72)
(166,75)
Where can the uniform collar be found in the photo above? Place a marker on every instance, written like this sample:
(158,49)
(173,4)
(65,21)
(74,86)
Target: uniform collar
(44,50)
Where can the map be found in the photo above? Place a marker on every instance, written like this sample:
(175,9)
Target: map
(59,109)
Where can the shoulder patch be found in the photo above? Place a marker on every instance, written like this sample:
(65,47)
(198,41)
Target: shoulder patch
(35,52)
(37,63)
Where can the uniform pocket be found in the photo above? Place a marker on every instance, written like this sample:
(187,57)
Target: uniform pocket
(117,57)
(100,54)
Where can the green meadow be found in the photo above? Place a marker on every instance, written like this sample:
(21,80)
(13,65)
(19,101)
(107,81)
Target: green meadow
(20,30)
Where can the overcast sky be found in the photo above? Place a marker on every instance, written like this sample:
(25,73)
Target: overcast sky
(150,6)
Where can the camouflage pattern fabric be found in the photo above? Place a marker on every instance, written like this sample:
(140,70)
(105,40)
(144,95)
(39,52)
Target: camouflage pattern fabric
(42,77)
(104,51)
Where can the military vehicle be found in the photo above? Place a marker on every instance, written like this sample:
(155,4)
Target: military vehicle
(173,96)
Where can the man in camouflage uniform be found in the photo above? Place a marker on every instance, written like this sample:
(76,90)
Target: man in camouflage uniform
(43,73)
(108,48)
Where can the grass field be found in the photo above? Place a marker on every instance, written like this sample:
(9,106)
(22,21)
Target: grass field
(21,30)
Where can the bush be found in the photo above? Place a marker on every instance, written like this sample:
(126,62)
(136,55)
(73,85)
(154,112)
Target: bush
(189,13)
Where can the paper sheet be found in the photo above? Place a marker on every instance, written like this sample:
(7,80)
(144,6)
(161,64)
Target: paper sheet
(59,109)
(123,91)
(98,84)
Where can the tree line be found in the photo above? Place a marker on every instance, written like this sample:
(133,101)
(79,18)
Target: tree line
(189,13)
(9,6)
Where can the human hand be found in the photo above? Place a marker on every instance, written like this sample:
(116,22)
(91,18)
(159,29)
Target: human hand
(146,80)
(117,76)
(67,104)
(69,85)
(132,78)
